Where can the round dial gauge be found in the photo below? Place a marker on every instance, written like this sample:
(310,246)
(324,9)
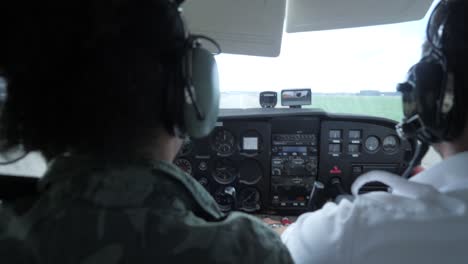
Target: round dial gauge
(184,165)
(223,142)
(204,182)
(224,171)
(224,200)
(372,144)
(249,200)
(390,144)
(250,172)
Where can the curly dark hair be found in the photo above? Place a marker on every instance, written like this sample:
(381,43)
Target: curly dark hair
(90,75)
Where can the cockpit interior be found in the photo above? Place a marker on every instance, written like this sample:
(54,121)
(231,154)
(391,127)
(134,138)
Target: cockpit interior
(270,153)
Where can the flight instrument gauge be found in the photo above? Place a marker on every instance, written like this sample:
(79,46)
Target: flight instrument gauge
(390,144)
(249,200)
(185,165)
(224,171)
(250,172)
(203,181)
(223,142)
(224,200)
(372,144)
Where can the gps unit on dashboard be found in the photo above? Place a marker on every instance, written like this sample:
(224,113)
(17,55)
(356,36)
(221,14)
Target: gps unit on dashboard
(268,99)
(296,98)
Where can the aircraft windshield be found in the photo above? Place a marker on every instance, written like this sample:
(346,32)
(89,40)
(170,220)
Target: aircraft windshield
(352,71)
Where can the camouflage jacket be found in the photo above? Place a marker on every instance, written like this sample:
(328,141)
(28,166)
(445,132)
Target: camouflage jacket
(94,211)
(14,249)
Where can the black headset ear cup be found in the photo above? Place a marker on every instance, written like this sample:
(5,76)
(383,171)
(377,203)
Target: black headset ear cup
(423,97)
(429,81)
(205,81)
(432,97)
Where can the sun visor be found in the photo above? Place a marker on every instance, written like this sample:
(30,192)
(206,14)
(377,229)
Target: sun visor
(249,27)
(311,15)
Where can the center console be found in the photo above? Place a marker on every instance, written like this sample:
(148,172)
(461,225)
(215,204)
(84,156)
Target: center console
(294,162)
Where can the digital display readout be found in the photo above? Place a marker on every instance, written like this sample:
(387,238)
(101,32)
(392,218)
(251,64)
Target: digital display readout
(250,143)
(296,97)
(294,149)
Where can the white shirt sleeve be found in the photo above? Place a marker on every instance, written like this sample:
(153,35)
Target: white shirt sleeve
(416,223)
(324,236)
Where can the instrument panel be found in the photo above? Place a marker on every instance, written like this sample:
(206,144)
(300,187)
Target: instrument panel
(263,161)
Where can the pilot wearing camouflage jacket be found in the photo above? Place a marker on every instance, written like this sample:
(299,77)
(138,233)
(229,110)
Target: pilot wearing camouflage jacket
(106,90)
(13,246)
(101,211)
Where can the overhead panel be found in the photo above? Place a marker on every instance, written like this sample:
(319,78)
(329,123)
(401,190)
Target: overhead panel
(249,27)
(311,15)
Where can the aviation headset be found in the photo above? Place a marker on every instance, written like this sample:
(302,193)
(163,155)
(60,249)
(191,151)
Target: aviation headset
(432,106)
(200,81)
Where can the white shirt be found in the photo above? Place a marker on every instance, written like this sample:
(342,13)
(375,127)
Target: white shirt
(424,220)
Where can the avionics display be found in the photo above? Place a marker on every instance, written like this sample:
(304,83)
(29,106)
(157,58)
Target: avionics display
(250,143)
(294,149)
(293,169)
(296,97)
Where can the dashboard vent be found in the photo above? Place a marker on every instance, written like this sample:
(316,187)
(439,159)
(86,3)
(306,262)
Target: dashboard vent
(374,187)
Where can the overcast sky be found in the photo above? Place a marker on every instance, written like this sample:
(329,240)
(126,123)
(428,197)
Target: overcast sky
(346,60)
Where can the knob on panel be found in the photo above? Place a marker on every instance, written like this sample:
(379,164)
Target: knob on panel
(276,172)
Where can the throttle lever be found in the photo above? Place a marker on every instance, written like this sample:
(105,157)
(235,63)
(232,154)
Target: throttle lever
(337,191)
(231,191)
(317,196)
